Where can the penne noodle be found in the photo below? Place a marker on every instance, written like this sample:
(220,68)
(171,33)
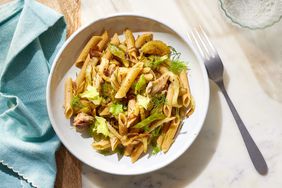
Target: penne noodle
(114,132)
(81,76)
(184,80)
(185,84)
(136,153)
(105,111)
(121,74)
(182,91)
(114,81)
(191,108)
(185,99)
(122,124)
(131,107)
(167,110)
(128,150)
(131,122)
(68,98)
(102,44)
(128,80)
(162,135)
(90,44)
(144,140)
(130,42)
(95,53)
(170,134)
(112,68)
(114,142)
(115,40)
(102,67)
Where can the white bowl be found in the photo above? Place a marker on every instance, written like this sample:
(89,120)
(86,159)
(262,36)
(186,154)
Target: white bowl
(80,146)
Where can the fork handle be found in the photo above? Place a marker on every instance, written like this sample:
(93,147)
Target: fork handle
(254,152)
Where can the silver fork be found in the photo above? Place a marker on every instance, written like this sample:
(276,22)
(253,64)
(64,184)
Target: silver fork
(214,68)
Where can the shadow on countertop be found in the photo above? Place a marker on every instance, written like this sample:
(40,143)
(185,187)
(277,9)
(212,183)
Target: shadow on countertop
(181,172)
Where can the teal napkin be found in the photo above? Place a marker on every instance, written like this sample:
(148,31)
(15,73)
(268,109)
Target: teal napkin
(30,36)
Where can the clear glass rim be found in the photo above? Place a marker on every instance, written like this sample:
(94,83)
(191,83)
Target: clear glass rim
(246,26)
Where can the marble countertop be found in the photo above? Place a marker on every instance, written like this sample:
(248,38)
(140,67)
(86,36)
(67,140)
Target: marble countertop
(253,76)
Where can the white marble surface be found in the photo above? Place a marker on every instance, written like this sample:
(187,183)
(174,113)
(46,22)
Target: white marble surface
(253,76)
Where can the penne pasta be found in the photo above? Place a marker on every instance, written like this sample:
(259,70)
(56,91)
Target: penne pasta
(128,150)
(114,141)
(162,135)
(102,44)
(129,95)
(102,67)
(122,124)
(90,44)
(185,84)
(138,150)
(81,76)
(169,136)
(130,42)
(128,80)
(68,98)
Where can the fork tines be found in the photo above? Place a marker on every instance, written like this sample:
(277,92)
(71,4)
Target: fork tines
(202,43)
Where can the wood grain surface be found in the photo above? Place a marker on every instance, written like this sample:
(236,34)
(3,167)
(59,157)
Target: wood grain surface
(70,10)
(68,170)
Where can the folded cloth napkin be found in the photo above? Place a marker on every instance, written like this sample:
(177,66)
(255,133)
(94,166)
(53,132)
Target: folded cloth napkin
(30,36)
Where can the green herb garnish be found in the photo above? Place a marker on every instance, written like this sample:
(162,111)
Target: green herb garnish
(174,55)
(159,100)
(177,66)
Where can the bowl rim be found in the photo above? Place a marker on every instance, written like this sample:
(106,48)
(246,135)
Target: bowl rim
(232,20)
(195,53)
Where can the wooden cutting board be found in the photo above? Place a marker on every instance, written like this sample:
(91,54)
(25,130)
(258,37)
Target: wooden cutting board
(68,167)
